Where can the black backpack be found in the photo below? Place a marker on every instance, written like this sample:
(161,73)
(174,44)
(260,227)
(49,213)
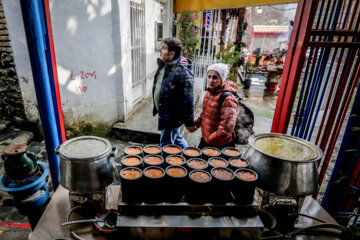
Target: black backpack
(244,120)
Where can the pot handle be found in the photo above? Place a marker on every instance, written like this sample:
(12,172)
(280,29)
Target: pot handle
(112,156)
(57,150)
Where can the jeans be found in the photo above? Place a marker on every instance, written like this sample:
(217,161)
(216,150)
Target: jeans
(172,136)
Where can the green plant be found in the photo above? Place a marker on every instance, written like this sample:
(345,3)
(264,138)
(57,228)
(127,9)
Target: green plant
(250,70)
(229,55)
(187,34)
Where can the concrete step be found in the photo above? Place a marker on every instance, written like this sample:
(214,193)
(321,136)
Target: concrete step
(4,126)
(136,136)
(14,137)
(140,128)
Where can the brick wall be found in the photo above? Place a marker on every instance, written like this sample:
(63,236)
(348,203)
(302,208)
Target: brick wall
(11,103)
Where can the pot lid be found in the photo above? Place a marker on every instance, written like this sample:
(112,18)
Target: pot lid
(85,147)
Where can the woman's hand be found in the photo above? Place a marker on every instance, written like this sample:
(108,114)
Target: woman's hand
(191,129)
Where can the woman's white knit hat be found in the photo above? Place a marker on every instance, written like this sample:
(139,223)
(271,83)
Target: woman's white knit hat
(221,68)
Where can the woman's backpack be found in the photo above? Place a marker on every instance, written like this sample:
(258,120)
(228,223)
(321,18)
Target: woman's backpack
(244,120)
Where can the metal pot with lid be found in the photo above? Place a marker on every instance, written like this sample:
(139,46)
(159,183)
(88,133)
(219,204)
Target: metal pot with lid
(87,163)
(286,165)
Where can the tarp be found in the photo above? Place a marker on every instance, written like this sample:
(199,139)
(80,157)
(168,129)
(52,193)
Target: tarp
(196,5)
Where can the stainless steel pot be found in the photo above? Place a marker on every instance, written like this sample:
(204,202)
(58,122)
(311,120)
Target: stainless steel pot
(87,164)
(283,176)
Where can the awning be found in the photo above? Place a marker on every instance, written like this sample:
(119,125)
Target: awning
(196,5)
(270,29)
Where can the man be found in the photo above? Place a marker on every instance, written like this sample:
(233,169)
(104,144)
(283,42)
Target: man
(173,93)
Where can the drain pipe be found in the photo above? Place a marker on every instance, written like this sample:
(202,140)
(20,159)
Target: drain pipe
(35,37)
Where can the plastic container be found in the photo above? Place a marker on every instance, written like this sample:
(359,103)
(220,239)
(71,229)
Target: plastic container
(230,152)
(154,184)
(131,181)
(209,152)
(244,185)
(191,152)
(223,179)
(199,188)
(176,183)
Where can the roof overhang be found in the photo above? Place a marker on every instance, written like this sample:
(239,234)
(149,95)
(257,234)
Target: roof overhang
(197,5)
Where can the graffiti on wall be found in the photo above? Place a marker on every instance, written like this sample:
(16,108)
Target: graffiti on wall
(83,75)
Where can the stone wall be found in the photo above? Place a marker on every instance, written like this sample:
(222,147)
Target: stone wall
(11,103)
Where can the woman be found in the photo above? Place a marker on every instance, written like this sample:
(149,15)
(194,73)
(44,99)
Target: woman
(217,128)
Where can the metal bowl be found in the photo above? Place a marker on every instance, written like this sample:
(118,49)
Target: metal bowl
(288,177)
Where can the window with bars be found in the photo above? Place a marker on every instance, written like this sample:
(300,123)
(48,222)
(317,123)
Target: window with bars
(137,25)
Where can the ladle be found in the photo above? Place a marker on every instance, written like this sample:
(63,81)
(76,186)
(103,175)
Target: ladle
(104,221)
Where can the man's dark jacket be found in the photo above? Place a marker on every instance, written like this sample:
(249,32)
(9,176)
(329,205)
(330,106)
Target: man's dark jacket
(176,104)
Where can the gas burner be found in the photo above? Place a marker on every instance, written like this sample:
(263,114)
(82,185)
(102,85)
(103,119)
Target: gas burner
(285,209)
(267,199)
(33,176)
(88,203)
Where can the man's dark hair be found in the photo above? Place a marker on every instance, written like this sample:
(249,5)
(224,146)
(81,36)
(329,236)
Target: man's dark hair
(175,45)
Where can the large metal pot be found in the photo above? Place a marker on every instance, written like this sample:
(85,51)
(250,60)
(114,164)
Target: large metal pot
(86,164)
(283,176)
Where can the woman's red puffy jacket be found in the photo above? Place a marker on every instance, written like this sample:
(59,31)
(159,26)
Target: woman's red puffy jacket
(218,128)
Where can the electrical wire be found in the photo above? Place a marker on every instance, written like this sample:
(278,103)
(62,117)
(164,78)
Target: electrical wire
(323,224)
(69,226)
(302,230)
(308,216)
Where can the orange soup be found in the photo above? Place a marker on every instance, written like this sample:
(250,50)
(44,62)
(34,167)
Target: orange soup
(153,160)
(238,162)
(154,173)
(131,161)
(223,174)
(172,150)
(200,176)
(245,175)
(192,152)
(176,172)
(211,152)
(130,174)
(232,152)
(197,164)
(217,163)
(133,150)
(174,160)
(152,150)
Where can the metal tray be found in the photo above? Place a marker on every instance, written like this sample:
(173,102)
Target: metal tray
(186,215)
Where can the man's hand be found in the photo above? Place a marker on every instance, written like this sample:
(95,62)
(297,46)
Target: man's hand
(191,129)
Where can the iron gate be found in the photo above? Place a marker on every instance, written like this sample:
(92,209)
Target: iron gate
(210,32)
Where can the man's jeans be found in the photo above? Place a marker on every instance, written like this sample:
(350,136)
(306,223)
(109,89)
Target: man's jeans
(172,136)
